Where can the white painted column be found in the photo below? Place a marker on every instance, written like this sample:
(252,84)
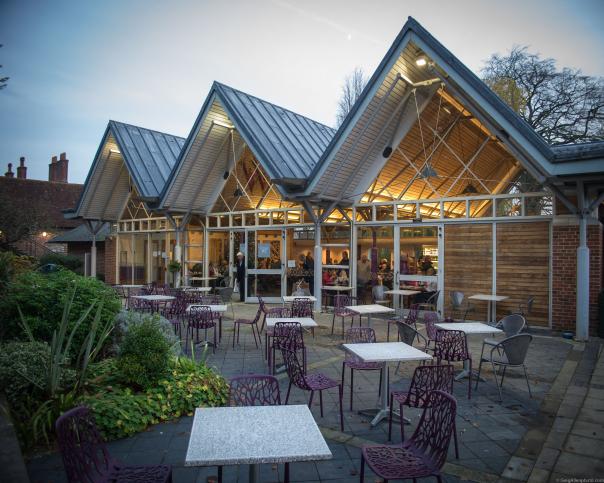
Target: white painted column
(178,257)
(93,257)
(582,314)
(318,266)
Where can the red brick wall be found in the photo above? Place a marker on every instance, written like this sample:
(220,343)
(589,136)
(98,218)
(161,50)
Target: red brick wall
(110,259)
(564,275)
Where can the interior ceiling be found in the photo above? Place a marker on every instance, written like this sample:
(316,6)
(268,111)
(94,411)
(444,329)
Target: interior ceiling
(492,171)
(257,192)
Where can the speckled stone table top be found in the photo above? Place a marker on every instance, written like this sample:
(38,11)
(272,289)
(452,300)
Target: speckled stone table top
(254,434)
(469,327)
(386,352)
(304,321)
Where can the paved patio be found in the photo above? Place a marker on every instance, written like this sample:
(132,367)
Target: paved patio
(550,435)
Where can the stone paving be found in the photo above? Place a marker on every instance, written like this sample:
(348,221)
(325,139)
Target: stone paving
(544,437)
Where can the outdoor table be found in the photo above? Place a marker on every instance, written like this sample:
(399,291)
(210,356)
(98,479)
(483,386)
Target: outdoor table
(333,288)
(154,300)
(468,328)
(490,305)
(288,299)
(220,308)
(305,322)
(385,352)
(203,279)
(253,435)
(369,310)
(196,289)
(402,294)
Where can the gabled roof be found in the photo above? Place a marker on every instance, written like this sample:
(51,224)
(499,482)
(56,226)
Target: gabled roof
(287,146)
(127,155)
(517,135)
(150,155)
(81,234)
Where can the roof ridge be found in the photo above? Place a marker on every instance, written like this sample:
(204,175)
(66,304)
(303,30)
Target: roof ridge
(113,121)
(220,84)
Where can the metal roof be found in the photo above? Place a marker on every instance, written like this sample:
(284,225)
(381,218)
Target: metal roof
(81,234)
(150,155)
(287,144)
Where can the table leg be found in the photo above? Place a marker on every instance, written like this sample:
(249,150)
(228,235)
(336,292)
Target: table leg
(254,474)
(369,320)
(489,312)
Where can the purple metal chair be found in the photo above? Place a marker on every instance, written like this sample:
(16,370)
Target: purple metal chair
(410,319)
(425,380)
(422,455)
(86,458)
(452,346)
(430,321)
(176,313)
(302,308)
(340,310)
(273,312)
(286,335)
(360,335)
(253,323)
(309,382)
(201,317)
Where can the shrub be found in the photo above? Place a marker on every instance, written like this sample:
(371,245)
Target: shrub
(12,265)
(126,319)
(121,412)
(23,370)
(42,298)
(144,354)
(68,261)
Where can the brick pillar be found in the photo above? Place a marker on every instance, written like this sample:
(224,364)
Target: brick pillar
(110,258)
(564,274)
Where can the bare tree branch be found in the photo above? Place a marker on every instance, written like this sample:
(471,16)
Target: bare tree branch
(351,91)
(564,106)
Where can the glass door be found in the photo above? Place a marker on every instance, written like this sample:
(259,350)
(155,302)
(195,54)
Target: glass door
(419,261)
(265,265)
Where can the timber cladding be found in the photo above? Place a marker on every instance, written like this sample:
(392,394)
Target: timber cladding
(523,265)
(522,259)
(468,263)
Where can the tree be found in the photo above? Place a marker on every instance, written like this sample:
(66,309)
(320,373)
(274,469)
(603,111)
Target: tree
(564,106)
(351,91)
(3,80)
(17,222)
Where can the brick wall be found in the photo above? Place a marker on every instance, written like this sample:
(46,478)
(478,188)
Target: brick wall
(564,275)
(110,260)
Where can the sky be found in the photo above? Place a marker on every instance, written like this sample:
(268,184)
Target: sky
(74,65)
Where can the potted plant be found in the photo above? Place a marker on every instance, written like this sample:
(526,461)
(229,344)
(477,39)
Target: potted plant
(174,267)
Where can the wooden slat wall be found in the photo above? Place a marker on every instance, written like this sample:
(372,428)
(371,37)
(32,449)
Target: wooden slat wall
(523,251)
(468,261)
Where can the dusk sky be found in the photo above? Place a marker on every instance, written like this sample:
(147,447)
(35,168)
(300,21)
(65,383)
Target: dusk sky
(73,65)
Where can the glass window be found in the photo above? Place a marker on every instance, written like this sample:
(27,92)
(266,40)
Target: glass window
(375,259)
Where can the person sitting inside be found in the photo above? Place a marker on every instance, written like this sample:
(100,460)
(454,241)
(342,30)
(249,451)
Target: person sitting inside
(328,277)
(342,278)
(345,260)
(384,265)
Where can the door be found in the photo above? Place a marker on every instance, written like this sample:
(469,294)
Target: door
(419,259)
(265,270)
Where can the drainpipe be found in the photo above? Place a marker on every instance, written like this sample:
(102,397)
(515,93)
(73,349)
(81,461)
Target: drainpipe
(318,265)
(582,314)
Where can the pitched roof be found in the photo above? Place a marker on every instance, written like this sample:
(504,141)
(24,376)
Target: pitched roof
(81,234)
(150,155)
(44,198)
(287,146)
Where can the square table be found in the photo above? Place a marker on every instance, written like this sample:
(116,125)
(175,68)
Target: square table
(288,299)
(369,310)
(385,352)
(154,300)
(254,435)
(402,293)
(491,307)
(468,328)
(305,322)
(197,289)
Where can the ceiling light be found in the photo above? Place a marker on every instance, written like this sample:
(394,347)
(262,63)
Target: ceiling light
(387,152)
(115,151)
(421,61)
(237,192)
(428,172)
(470,189)
(223,124)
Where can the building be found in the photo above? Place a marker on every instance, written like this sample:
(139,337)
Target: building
(41,202)
(431,180)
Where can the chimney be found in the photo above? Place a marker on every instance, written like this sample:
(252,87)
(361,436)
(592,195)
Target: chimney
(22,169)
(52,169)
(62,166)
(9,173)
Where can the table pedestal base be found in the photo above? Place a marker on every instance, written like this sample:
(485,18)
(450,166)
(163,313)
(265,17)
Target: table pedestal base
(381,414)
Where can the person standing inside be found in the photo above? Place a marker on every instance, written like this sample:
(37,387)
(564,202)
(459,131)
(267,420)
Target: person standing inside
(241,275)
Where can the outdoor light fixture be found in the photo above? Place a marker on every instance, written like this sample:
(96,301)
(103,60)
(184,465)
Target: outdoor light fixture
(470,189)
(421,61)
(44,234)
(387,151)
(223,124)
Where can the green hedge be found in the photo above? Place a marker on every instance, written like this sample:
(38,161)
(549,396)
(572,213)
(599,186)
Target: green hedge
(42,297)
(68,261)
(121,412)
